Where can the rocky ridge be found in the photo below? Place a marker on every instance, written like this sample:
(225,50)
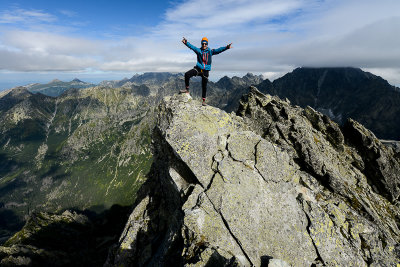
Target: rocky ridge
(343,93)
(88,148)
(273,185)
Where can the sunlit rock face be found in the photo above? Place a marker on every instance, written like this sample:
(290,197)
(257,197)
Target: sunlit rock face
(273,184)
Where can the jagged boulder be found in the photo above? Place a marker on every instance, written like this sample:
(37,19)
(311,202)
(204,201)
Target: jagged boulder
(381,167)
(276,185)
(28,247)
(67,239)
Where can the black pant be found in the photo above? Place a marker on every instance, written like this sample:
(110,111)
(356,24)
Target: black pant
(196,71)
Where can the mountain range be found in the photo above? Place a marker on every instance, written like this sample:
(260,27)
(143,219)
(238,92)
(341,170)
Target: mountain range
(272,185)
(66,147)
(340,93)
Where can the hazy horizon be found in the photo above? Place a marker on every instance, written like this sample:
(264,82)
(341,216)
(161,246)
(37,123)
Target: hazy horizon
(96,79)
(89,78)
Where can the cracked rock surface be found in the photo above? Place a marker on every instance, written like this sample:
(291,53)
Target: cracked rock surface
(276,185)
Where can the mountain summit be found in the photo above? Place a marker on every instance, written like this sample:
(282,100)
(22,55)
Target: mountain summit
(276,184)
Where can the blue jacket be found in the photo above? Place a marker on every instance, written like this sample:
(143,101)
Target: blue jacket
(204,55)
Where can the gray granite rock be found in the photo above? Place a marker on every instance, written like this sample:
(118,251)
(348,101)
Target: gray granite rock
(276,185)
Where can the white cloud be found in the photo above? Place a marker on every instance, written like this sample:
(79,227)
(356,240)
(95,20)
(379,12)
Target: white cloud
(346,16)
(390,74)
(229,13)
(39,62)
(19,15)
(269,37)
(50,44)
(374,45)
(68,13)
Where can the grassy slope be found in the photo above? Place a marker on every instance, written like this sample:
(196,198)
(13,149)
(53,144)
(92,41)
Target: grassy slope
(97,154)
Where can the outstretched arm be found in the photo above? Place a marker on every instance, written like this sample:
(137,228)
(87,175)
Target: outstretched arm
(221,49)
(195,49)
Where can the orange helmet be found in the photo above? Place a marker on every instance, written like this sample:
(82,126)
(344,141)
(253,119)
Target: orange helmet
(204,40)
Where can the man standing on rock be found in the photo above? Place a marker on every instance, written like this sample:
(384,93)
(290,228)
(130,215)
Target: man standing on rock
(203,65)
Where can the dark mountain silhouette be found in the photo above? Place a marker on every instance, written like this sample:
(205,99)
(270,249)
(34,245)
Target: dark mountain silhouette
(342,93)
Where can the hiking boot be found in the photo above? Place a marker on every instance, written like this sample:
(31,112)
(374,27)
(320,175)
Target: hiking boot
(204,103)
(184,91)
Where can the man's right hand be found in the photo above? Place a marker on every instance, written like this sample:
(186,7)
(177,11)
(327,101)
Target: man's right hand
(184,40)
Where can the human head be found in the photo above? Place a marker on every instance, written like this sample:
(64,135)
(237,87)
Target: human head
(204,41)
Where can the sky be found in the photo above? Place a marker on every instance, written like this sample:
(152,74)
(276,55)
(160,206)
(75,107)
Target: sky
(41,40)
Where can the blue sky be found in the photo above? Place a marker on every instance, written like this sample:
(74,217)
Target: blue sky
(99,40)
(96,19)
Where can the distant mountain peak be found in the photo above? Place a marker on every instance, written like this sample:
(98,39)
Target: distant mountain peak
(225,78)
(77,80)
(55,81)
(19,90)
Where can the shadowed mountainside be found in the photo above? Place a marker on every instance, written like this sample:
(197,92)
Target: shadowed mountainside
(343,93)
